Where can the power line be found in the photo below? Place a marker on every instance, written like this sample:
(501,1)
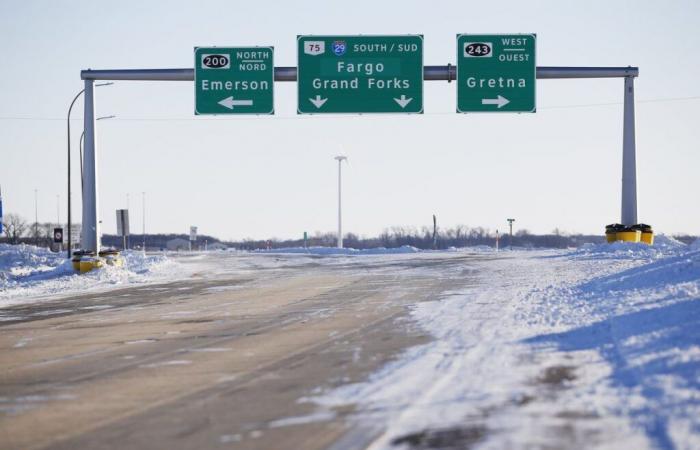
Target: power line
(316,117)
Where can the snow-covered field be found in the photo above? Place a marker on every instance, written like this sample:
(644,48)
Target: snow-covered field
(599,347)
(29,273)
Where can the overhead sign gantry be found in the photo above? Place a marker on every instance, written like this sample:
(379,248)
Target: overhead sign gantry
(359,100)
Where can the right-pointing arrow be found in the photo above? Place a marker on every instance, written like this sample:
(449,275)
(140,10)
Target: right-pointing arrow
(318,101)
(500,101)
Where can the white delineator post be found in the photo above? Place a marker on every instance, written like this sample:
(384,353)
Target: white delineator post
(91,223)
(629,159)
(340,160)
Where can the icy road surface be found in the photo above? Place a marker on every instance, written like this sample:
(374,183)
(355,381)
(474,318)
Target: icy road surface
(593,348)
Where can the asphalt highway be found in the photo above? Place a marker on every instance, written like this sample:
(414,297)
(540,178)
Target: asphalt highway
(221,358)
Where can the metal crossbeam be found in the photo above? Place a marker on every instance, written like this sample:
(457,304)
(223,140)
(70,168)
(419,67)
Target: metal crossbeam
(430,73)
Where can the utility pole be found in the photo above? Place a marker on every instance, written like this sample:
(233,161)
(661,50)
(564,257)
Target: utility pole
(36,218)
(127,237)
(143,219)
(510,223)
(434,232)
(340,160)
(1,223)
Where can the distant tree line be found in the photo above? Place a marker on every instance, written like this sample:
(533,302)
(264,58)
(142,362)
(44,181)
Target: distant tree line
(460,236)
(17,230)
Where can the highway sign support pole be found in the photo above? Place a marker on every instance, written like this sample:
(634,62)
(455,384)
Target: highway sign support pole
(629,159)
(91,225)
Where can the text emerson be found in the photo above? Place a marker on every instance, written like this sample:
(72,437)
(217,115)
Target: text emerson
(238,85)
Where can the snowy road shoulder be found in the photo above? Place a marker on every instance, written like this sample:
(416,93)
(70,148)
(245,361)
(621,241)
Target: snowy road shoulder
(29,274)
(594,348)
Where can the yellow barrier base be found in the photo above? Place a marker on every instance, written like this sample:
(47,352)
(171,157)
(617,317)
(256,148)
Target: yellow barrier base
(636,233)
(87,263)
(629,236)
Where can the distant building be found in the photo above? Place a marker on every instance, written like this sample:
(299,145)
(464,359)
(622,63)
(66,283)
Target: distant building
(216,246)
(177,244)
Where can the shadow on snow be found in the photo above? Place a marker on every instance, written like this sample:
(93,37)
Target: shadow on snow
(647,346)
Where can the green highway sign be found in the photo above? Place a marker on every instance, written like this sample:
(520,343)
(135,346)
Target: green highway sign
(496,73)
(234,80)
(359,74)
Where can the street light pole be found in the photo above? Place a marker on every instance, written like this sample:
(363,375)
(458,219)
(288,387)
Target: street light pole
(70,108)
(340,160)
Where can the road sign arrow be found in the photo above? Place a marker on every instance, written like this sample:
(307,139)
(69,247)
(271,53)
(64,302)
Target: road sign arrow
(403,101)
(318,101)
(500,101)
(229,102)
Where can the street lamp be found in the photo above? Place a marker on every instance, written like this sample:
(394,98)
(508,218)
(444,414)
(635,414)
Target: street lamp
(70,108)
(82,138)
(510,223)
(340,159)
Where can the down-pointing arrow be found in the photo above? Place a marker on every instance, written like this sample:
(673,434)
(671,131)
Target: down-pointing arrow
(229,102)
(500,101)
(318,101)
(403,101)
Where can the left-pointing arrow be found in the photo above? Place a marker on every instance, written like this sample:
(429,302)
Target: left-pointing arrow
(229,102)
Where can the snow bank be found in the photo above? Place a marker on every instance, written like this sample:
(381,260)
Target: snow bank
(610,333)
(663,246)
(344,251)
(21,260)
(28,273)
(695,245)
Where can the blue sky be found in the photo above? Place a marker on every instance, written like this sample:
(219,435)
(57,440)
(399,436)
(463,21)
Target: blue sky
(275,176)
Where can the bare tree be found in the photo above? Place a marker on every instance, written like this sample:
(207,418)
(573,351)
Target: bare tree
(15,227)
